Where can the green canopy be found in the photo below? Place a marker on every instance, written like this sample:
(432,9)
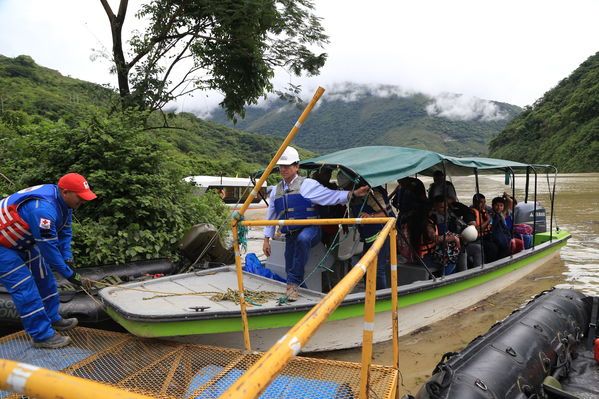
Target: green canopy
(379,165)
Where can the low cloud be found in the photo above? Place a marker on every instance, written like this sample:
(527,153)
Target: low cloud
(465,108)
(350,92)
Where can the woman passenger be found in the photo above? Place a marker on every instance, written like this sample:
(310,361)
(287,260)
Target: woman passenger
(428,244)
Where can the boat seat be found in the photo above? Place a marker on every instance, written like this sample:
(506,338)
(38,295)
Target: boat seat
(276,262)
(553,390)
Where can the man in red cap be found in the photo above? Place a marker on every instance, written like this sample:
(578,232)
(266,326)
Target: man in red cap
(35,238)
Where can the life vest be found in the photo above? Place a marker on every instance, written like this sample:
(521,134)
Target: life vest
(426,248)
(479,222)
(289,204)
(14,231)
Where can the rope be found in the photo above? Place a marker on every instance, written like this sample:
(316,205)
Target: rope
(206,293)
(256,298)
(242,231)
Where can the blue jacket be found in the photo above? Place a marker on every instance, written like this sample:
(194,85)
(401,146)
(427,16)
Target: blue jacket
(49,220)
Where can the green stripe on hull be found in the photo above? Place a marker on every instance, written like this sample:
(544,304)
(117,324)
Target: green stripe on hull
(165,329)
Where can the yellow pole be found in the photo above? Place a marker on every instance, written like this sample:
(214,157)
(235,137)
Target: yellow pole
(242,304)
(282,148)
(257,378)
(310,222)
(368,327)
(248,201)
(33,381)
(394,301)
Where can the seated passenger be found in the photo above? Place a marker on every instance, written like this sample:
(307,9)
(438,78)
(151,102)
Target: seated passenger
(483,226)
(376,206)
(453,219)
(438,252)
(409,192)
(329,232)
(441,186)
(500,232)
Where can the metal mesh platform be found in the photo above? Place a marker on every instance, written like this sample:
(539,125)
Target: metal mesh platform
(164,369)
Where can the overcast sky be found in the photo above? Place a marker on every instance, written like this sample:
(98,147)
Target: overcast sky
(511,51)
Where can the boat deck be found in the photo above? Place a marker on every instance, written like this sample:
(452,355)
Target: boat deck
(164,369)
(200,294)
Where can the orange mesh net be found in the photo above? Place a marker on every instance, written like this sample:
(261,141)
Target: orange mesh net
(165,369)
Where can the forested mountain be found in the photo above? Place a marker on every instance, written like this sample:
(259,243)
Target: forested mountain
(356,115)
(561,128)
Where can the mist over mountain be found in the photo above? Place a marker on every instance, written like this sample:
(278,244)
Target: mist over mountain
(351,115)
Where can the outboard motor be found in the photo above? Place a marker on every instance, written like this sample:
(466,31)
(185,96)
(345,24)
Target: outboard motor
(203,240)
(524,213)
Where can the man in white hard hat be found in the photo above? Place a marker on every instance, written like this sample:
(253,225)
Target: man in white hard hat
(294,198)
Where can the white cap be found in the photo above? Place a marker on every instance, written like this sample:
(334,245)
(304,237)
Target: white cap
(290,156)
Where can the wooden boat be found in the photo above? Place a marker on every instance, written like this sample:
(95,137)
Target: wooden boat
(196,318)
(546,349)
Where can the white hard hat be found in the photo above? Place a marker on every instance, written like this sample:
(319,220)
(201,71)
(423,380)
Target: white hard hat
(469,234)
(290,156)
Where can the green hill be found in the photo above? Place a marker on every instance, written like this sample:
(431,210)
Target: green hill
(35,90)
(357,115)
(31,94)
(561,128)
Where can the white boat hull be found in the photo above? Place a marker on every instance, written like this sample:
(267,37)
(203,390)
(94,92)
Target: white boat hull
(411,318)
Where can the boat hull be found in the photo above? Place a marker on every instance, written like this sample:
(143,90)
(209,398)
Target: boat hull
(420,304)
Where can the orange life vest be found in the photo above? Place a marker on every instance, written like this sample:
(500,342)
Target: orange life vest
(425,248)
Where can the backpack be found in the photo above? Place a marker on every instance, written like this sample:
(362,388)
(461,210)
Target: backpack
(522,229)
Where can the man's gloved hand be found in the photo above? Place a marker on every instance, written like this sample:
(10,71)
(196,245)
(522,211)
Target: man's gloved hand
(75,279)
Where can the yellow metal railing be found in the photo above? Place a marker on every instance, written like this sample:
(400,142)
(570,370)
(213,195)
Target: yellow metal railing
(42,383)
(257,378)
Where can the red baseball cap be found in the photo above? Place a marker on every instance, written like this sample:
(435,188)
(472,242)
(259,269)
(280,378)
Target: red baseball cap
(76,183)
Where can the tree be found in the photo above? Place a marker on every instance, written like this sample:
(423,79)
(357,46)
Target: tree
(232,46)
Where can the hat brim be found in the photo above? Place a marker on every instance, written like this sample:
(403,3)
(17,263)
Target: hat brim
(286,163)
(87,195)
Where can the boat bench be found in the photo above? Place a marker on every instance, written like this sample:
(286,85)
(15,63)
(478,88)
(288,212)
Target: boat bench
(276,263)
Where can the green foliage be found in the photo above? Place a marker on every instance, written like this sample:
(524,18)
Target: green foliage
(373,120)
(561,128)
(143,206)
(232,46)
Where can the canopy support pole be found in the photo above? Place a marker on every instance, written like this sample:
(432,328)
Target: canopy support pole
(534,211)
(482,237)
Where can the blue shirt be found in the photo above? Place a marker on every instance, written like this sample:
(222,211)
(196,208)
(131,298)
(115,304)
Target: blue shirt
(310,190)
